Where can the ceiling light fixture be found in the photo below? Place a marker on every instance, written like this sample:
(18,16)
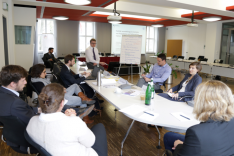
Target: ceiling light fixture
(78,2)
(157,25)
(192,24)
(60,17)
(114,19)
(212,19)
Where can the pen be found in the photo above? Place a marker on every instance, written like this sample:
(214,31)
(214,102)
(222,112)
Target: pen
(185,117)
(149,114)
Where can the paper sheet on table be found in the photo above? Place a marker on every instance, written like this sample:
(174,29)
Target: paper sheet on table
(106,73)
(148,117)
(132,92)
(110,86)
(177,115)
(133,110)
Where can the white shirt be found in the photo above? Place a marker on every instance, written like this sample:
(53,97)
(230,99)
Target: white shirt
(62,135)
(13,91)
(183,87)
(89,55)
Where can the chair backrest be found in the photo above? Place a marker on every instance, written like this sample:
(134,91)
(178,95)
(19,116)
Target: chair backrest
(41,150)
(58,79)
(102,54)
(108,54)
(13,130)
(180,57)
(191,58)
(60,58)
(200,57)
(56,68)
(34,88)
(204,59)
(76,54)
(175,56)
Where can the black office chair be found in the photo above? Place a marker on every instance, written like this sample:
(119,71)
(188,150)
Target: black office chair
(76,54)
(34,88)
(41,150)
(191,58)
(174,57)
(108,54)
(60,58)
(180,57)
(200,57)
(13,133)
(204,59)
(102,54)
(160,90)
(219,61)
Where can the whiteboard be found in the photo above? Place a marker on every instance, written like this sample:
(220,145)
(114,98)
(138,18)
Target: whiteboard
(131,49)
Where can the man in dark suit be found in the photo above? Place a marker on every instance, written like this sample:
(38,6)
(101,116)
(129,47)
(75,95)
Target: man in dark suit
(13,80)
(49,58)
(69,78)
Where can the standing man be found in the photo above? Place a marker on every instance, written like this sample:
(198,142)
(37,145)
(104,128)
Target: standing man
(92,55)
(160,73)
(49,59)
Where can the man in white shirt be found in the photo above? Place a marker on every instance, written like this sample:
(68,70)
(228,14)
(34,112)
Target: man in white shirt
(92,55)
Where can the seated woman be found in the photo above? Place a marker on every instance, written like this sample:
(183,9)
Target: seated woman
(214,136)
(64,134)
(186,89)
(38,73)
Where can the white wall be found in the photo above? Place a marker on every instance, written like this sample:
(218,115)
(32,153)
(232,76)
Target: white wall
(24,52)
(194,39)
(2,56)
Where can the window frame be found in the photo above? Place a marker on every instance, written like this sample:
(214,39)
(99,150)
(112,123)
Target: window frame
(148,39)
(86,36)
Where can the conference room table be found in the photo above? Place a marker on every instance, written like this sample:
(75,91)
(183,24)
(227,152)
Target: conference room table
(161,106)
(107,60)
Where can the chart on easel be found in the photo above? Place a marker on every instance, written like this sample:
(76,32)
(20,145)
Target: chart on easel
(131,49)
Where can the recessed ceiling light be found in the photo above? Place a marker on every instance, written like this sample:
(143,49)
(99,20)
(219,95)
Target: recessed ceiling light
(115,22)
(60,17)
(157,25)
(211,19)
(78,2)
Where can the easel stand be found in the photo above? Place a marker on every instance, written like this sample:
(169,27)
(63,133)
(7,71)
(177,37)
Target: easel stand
(131,71)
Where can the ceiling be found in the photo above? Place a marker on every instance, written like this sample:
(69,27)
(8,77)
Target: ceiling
(166,12)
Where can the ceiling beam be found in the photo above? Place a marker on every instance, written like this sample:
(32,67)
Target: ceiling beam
(207,6)
(158,12)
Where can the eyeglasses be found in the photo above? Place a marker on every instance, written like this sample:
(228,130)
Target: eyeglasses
(93,43)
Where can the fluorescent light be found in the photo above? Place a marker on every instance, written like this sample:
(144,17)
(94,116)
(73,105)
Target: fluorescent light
(126,15)
(157,25)
(78,2)
(60,17)
(115,22)
(211,19)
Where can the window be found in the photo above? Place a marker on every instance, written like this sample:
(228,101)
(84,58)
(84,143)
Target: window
(151,39)
(86,33)
(45,33)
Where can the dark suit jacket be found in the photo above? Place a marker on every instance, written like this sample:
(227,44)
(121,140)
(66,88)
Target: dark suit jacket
(47,56)
(12,105)
(68,78)
(209,138)
(190,88)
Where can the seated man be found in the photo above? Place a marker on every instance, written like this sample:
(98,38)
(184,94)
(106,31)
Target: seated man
(160,72)
(49,58)
(69,79)
(13,80)
(92,55)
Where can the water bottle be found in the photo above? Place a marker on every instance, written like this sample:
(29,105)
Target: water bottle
(99,80)
(152,89)
(148,94)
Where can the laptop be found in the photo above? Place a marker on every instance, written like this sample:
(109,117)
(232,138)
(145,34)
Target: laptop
(93,75)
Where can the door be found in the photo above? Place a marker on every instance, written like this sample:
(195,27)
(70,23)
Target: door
(5,40)
(230,55)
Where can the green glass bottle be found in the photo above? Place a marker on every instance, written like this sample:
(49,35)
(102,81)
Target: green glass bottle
(74,58)
(152,89)
(148,94)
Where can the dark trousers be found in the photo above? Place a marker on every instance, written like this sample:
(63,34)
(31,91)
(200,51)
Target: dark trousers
(165,95)
(100,145)
(88,90)
(170,138)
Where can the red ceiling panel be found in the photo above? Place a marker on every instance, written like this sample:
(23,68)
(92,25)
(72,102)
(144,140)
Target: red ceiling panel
(200,15)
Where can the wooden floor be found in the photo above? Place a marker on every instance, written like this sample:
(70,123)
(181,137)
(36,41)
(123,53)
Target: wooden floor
(142,141)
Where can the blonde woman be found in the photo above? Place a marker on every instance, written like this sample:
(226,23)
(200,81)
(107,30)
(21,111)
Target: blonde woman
(214,136)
